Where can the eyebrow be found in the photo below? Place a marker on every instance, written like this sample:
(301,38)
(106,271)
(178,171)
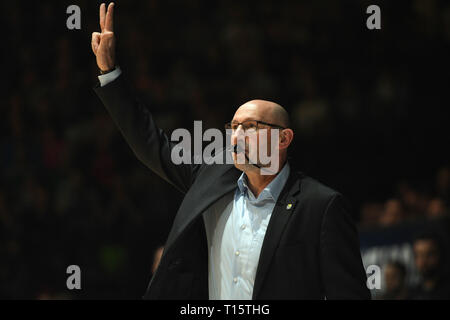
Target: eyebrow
(260,121)
(246,120)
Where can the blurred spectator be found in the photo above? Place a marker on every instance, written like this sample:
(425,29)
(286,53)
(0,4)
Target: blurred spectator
(393,213)
(394,281)
(415,201)
(430,261)
(371,213)
(436,208)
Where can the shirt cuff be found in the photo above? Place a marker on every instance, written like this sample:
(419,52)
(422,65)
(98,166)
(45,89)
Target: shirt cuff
(109,77)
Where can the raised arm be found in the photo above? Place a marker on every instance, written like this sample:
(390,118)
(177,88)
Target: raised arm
(149,143)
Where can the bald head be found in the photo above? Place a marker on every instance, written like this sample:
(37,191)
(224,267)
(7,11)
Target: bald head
(274,142)
(263,110)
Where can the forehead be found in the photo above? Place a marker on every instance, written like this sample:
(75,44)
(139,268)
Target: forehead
(252,111)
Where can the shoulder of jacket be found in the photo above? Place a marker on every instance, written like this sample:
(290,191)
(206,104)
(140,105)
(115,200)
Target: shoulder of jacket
(315,190)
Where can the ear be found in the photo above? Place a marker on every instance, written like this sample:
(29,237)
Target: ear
(286,137)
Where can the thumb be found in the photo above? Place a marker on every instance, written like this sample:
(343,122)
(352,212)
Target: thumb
(95,42)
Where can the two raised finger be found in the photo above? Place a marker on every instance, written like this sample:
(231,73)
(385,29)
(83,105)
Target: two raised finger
(106,17)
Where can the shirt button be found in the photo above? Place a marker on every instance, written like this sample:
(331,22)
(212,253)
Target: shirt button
(237,252)
(235,280)
(243,227)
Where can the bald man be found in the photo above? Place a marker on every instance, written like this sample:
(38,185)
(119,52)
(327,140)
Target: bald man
(240,233)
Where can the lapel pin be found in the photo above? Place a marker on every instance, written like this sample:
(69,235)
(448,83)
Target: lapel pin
(289,206)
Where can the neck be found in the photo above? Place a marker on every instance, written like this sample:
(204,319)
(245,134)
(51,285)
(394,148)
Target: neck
(257,181)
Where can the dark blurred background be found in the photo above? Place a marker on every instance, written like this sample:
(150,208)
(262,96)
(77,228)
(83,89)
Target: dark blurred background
(369,108)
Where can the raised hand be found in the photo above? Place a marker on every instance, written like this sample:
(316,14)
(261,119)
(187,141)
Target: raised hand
(104,43)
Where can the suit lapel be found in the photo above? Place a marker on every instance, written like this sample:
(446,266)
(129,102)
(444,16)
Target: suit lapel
(207,190)
(280,216)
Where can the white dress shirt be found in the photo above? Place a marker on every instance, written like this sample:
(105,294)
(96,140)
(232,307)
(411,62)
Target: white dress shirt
(235,227)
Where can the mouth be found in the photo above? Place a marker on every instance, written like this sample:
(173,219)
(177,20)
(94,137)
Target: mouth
(238,149)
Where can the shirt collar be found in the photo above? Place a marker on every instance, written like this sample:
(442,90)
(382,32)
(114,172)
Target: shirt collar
(273,189)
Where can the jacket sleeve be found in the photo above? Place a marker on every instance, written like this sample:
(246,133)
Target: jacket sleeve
(149,143)
(343,274)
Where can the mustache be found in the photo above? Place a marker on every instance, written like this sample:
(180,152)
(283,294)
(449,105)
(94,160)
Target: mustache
(238,148)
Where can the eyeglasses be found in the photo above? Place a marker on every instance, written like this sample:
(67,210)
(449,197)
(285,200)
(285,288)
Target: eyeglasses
(250,125)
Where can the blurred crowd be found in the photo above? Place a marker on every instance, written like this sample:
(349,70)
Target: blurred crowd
(430,260)
(410,201)
(369,110)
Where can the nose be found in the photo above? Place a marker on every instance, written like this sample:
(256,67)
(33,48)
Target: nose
(235,133)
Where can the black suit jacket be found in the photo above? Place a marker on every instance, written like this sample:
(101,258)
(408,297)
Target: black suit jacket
(310,250)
